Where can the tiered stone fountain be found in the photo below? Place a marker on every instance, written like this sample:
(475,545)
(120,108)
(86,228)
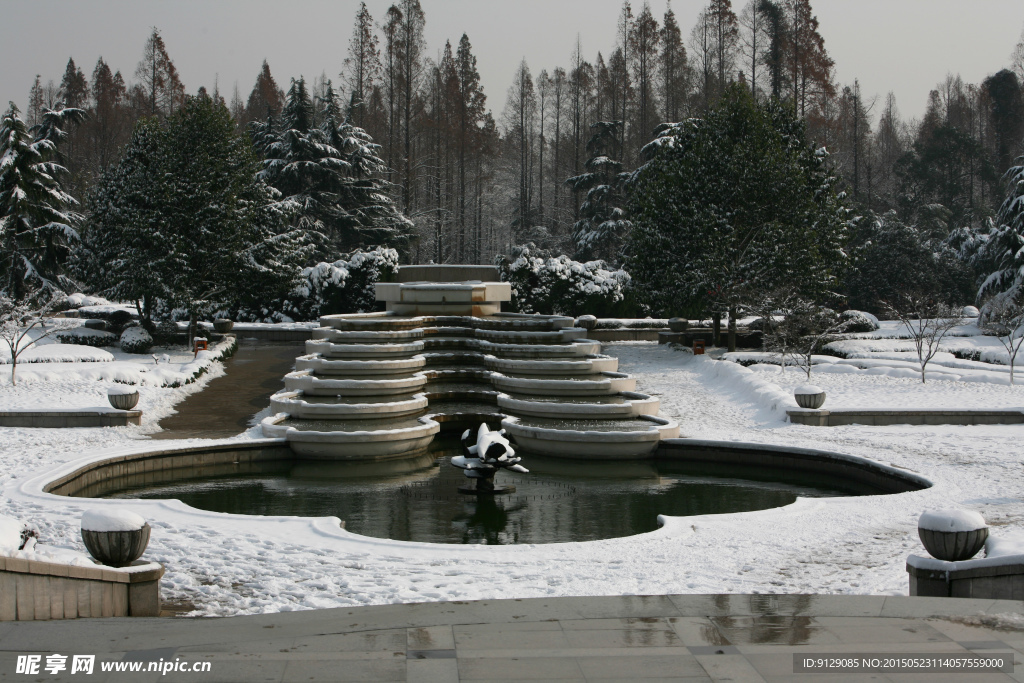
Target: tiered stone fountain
(379,386)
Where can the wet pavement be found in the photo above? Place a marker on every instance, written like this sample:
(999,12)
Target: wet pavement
(226,406)
(760,638)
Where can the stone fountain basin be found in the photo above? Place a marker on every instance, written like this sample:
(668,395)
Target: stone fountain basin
(326,366)
(603,383)
(567,334)
(330,350)
(523,322)
(624,404)
(576,349)
(585,366)
(467,358)
(379,444)
(469,372)
(605,444)
(294,403)
(367,336)
(311,385)
(372,322)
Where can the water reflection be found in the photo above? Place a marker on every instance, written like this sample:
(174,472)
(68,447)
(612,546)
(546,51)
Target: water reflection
(559,501)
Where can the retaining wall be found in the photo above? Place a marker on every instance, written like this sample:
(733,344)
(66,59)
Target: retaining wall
(835,418)
(57,419)
(40,591)
(993,582)
(846,468)
(173,464)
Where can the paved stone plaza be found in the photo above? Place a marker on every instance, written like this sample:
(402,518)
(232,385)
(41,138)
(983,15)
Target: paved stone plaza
(675,637)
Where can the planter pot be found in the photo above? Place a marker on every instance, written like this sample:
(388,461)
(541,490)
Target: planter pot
(223,325)
(952,535)
(678,324)
(953,546)
(812,401)
(124,401)
(117,548)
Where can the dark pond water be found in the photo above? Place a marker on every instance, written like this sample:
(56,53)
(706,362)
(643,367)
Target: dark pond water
(558,501)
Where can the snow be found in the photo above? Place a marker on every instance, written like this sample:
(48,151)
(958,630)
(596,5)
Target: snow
(235,564)
(951,520)
(808,389)
(10,535)
(111,519)
(77,300)
(121,390)
(1005,544)
(59,353)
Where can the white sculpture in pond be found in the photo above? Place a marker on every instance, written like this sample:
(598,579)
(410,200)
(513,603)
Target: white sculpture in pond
(482,460)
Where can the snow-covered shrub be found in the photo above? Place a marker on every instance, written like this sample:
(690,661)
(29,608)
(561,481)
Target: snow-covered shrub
(345,286)
(166,333)
(77,300)
(559,285)
(119,320)
(858,321)
(87,337)
(136,340)
(647,324)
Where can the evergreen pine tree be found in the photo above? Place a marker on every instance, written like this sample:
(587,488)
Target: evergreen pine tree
(370,216)
(330,177)
(1004,246)
(602,227)
(37,220)
(124,249)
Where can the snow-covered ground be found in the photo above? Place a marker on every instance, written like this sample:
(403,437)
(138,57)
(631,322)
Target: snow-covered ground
(230,564)
(71,376)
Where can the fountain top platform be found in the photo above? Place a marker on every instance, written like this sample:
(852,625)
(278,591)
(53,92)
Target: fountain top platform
(445,290)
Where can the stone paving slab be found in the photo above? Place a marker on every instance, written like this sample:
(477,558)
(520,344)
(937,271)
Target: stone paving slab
(629,638)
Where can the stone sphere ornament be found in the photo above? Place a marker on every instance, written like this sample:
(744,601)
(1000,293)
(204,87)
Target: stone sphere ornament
(123,397)
(115,537)
(809,396)
(952,535)
(482,458)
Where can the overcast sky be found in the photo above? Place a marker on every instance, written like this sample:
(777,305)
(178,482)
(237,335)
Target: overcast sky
(906,46)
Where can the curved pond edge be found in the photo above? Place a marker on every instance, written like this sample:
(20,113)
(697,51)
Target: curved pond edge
(154,466)
(851,467)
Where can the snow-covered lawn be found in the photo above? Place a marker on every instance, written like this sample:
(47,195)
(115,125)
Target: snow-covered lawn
(54,375)
(229,564)
(880,370)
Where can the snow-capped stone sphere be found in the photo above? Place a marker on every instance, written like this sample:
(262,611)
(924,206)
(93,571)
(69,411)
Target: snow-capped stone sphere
(951,520)
(101,519)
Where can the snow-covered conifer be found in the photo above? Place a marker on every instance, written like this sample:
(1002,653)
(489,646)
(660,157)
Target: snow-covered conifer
(330,176)
(603,226)
(1003,248)
(199,229)
(37,220)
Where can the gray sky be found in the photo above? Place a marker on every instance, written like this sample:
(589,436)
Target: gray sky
(906,46)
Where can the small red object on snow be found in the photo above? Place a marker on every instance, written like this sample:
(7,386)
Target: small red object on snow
(199,344)
(698,347)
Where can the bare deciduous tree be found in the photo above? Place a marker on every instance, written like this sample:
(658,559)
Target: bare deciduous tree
(1003,317)
(25,323)
(928,322)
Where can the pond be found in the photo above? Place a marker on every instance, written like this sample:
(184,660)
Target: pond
(558,501)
